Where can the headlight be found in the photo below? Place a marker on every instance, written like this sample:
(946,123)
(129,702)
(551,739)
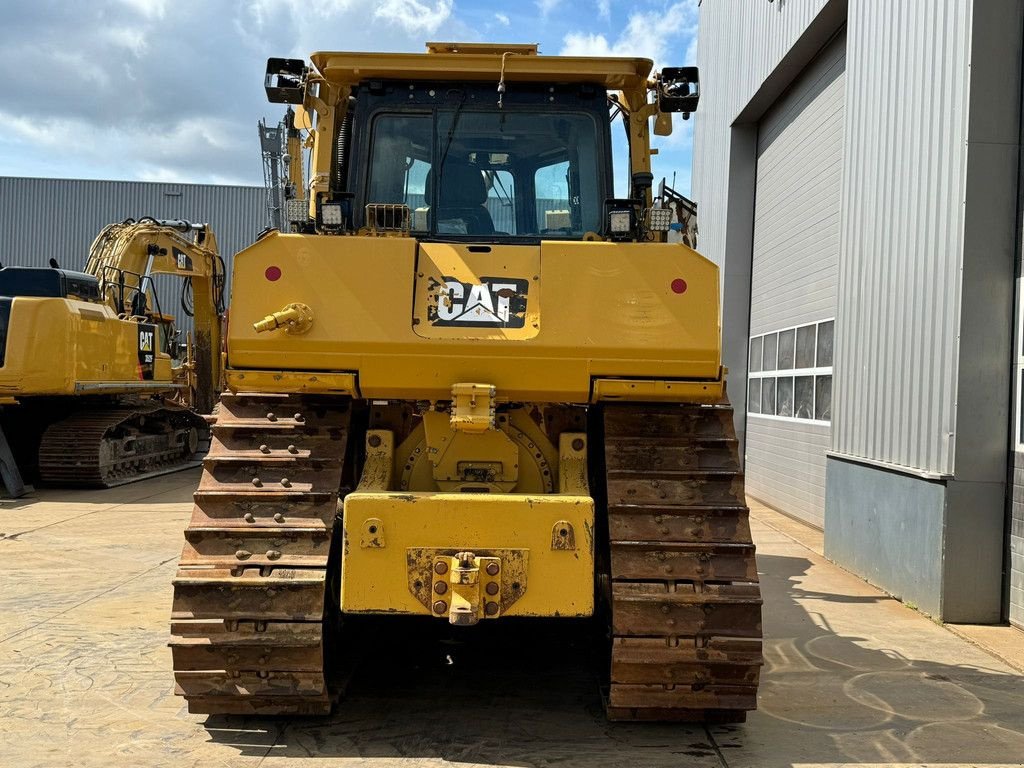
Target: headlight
(331,215)
(296,211)
(659,219)
(620,222)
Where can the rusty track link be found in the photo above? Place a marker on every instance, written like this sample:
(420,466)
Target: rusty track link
(247,621)
(685,600)
(116,445)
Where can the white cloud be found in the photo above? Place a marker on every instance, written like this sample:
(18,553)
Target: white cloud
(502,19)
(604,9)
(656,35)
(151,9)
(105,106)
(414,16)
(547,6)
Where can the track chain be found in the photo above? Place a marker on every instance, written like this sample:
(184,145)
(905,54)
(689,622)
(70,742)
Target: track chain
(105,447)
(250,600)
(684,593)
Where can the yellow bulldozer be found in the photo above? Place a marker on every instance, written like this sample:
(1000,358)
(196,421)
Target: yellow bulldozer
(96,386)
(473,383)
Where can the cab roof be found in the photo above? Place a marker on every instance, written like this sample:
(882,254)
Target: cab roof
(483,62)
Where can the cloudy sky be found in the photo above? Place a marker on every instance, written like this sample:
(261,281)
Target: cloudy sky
(171,90)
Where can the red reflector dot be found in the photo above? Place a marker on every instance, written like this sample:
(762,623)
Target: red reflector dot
(274,273)
(679,285)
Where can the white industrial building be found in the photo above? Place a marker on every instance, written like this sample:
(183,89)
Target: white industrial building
(856,164)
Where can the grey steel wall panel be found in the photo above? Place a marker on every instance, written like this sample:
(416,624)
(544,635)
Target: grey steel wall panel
(59,218)
(797,200)
(794,267)
(786,466)
(888,527)
(1017,543)
(903,232)
(739,44)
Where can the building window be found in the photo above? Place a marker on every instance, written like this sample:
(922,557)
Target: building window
(790,374)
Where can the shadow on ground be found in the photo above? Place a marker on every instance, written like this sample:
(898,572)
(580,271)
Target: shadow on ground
(527,694)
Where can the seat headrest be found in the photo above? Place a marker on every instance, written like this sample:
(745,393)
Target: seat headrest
(463,185)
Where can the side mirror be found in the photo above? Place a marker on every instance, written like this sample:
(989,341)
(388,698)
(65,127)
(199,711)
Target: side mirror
(679,90)
(285,81)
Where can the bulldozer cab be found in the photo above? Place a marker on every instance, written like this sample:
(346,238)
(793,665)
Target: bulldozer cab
(536,167)
(479,142)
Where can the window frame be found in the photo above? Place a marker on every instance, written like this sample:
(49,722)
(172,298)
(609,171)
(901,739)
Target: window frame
(776,374)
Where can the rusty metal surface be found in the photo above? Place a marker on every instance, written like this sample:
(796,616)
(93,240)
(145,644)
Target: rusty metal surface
(106,447)
(247,632)
(685,599)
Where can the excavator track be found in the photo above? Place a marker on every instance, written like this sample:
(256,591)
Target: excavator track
(250,595)
(112,446)
(684,593)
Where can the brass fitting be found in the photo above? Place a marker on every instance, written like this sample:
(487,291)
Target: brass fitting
(295,318)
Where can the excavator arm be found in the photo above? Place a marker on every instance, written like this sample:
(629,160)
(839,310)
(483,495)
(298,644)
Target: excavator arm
(125,258)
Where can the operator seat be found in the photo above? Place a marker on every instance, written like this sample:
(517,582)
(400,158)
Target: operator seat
(463,195)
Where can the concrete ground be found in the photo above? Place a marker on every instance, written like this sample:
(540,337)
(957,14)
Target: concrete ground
(852,676)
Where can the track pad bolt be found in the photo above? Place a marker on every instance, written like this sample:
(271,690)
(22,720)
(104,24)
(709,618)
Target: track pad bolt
(278,517)
(292,449)
(257,482)
(299,418)
(492,569)
(242,554)
(273,554)
(271,416)
(249,517)
(264,448)
(286,482)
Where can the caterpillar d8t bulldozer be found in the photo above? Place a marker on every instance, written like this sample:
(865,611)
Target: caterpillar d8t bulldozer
(96,388)
(473,384)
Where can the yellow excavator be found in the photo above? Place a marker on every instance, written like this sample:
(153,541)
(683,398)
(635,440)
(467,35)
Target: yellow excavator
(97,387)
(472,384)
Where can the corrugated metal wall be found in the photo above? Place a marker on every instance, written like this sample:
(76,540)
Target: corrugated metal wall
(794,268)
(1016,607)
(740,42)
(59,218)
(903,232)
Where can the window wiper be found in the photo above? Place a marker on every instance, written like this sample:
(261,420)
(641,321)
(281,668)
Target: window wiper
(448,144)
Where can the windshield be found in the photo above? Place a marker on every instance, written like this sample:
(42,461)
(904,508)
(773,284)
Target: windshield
(490,174)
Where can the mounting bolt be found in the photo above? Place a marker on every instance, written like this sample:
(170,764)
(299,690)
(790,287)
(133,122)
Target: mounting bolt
(440,606)
(491,609)
(492,569)
(374,441)
(577,444)
(492,588)
(440,587)
(440,568)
